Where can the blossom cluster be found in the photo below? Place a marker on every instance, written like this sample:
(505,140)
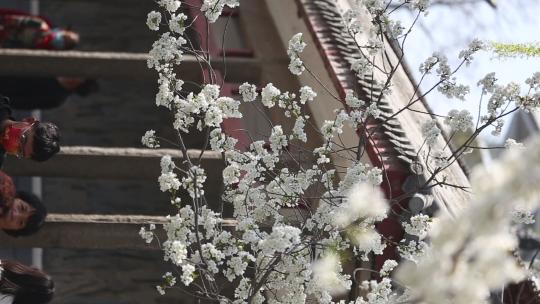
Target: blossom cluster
(502,96)
(292,217)
(467,54)
(459,120)
(212,9)
(296,46)
(149,139)
(419,225)
(258,187)
(430,132)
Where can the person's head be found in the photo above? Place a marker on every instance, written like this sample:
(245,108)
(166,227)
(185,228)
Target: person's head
(46,141)
(27,285)
(64,39)
(30,138)
(24,215)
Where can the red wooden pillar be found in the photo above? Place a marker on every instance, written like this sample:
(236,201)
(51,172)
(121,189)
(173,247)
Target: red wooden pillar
(233,126)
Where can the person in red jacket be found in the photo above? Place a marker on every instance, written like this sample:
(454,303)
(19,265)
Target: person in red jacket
(20,30)
(27,138)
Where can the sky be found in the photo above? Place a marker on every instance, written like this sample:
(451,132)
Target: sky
(449,29)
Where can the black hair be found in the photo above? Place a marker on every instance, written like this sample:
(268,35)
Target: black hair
(27,285)
(36,220)
(46,141)
(88,87)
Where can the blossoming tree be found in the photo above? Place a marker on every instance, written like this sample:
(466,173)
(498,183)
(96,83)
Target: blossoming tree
(332,208)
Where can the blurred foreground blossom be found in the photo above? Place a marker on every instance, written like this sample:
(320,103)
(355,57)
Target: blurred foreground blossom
(459,267)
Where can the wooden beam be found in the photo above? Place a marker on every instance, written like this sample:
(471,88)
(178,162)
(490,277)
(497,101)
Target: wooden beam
(111,163)
(92,231)
(21,62)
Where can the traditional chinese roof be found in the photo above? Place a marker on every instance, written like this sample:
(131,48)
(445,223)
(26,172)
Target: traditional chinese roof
(396,135)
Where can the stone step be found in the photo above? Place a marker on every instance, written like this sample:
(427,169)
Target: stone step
(94,231)
(112,163)
(22,62)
